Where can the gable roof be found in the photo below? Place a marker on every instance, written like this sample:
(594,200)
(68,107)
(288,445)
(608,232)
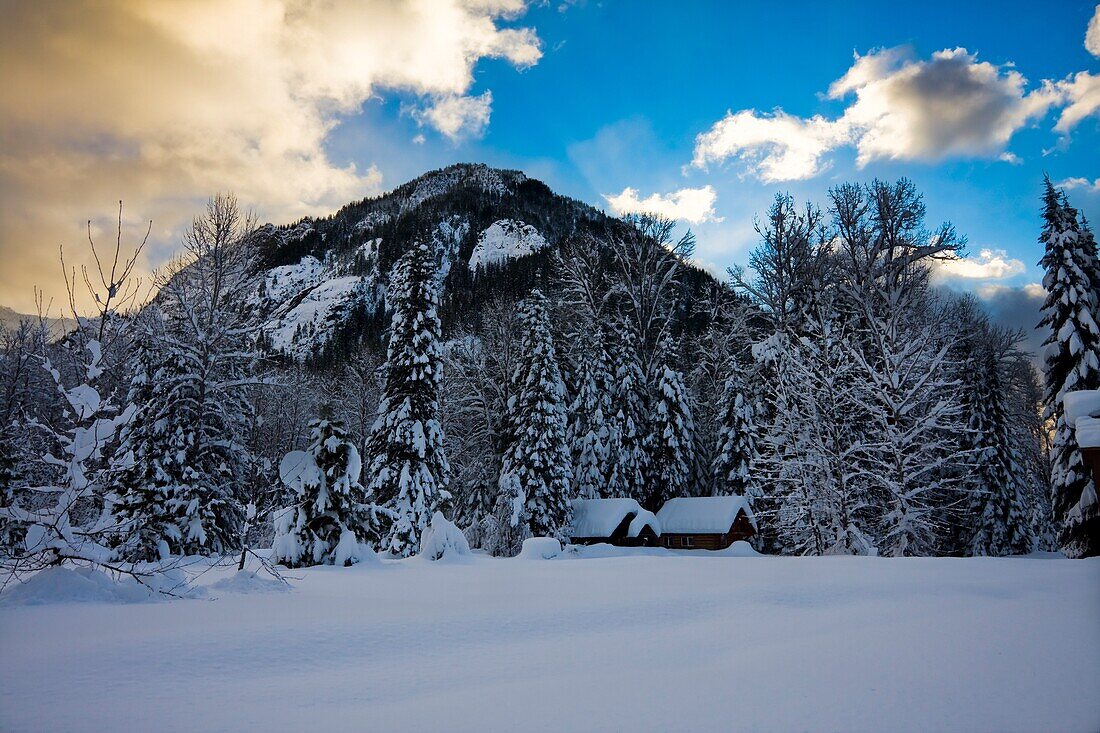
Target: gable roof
(600,517)
(703,514)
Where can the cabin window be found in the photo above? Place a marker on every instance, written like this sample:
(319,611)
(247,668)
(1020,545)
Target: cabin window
(687,541)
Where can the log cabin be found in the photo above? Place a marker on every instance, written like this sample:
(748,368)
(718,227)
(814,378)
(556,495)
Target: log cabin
(705,522)
(1083,414)
(620,522)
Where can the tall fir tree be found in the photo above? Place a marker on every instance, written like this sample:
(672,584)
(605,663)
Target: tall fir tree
(408,467)
(995,471)
(1071,361)
(588,432)
(671,454)
(538,457)
(628,457)
(329,521)
(737,452)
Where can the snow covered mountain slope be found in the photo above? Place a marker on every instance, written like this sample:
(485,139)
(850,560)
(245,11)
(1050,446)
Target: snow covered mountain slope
(322,283)
(504,240)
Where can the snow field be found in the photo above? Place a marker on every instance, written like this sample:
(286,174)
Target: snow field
(615,640)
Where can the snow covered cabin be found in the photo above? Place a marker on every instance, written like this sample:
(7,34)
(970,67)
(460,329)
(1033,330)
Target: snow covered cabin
(705,522)
(621,522)
(1083,414)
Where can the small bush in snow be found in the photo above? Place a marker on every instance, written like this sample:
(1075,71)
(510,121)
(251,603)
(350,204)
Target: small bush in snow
(540,548)
(443,538)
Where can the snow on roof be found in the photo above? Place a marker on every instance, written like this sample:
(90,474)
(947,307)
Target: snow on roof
(600,517)
(703,514)
(1082,403)
(1088,432)
(644,518)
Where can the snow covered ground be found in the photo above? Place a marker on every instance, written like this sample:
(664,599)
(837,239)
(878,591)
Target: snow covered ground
(643,640)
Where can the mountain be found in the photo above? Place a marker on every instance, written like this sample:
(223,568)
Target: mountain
(321,289)
(10,320)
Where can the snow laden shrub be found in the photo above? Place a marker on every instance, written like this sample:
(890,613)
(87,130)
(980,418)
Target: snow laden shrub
(538,456)
(408,467)
(671,453)
(1071,361)
(329,522)
(502,532)
(442,539)
(540,548)
(72,517)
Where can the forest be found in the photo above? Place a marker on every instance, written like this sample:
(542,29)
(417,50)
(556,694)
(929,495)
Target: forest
(864,409)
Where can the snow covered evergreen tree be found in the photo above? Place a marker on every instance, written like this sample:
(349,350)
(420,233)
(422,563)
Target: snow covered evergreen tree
(408,467)
(671,454)
(629,430)
(330,520)
(184,493)
(588,431)
(1071,361)
(995,471)
(538,457)
(737,454)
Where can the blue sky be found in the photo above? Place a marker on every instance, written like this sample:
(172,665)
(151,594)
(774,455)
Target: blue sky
(623,89)
(704,110)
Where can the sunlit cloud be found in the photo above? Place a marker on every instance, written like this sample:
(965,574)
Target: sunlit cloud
(989,264)
(165,103)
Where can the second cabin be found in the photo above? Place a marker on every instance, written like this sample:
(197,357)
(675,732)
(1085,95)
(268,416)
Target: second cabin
(705,522)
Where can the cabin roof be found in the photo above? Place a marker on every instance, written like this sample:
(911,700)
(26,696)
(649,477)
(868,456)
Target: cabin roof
(703,514)
(1083,414)
(600,517)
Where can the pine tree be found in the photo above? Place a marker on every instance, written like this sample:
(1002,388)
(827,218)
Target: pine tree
(538,456)
(1071,361)
(737,453)
(145,463)
(408,467)
(588,432)
(330,518)
(999,521)
(628,428)
(671,456)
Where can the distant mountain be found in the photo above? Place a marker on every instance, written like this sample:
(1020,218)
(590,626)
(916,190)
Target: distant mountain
(10,320)
(321,289)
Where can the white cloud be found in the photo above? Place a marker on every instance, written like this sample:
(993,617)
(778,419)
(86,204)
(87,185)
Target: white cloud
(999,291)
(1092,35)
(458,117)
(162,103)
(694,205)
(777,147)
(1010,158)
(951,105)
(1081,95)
(1080,182)
(990,264)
